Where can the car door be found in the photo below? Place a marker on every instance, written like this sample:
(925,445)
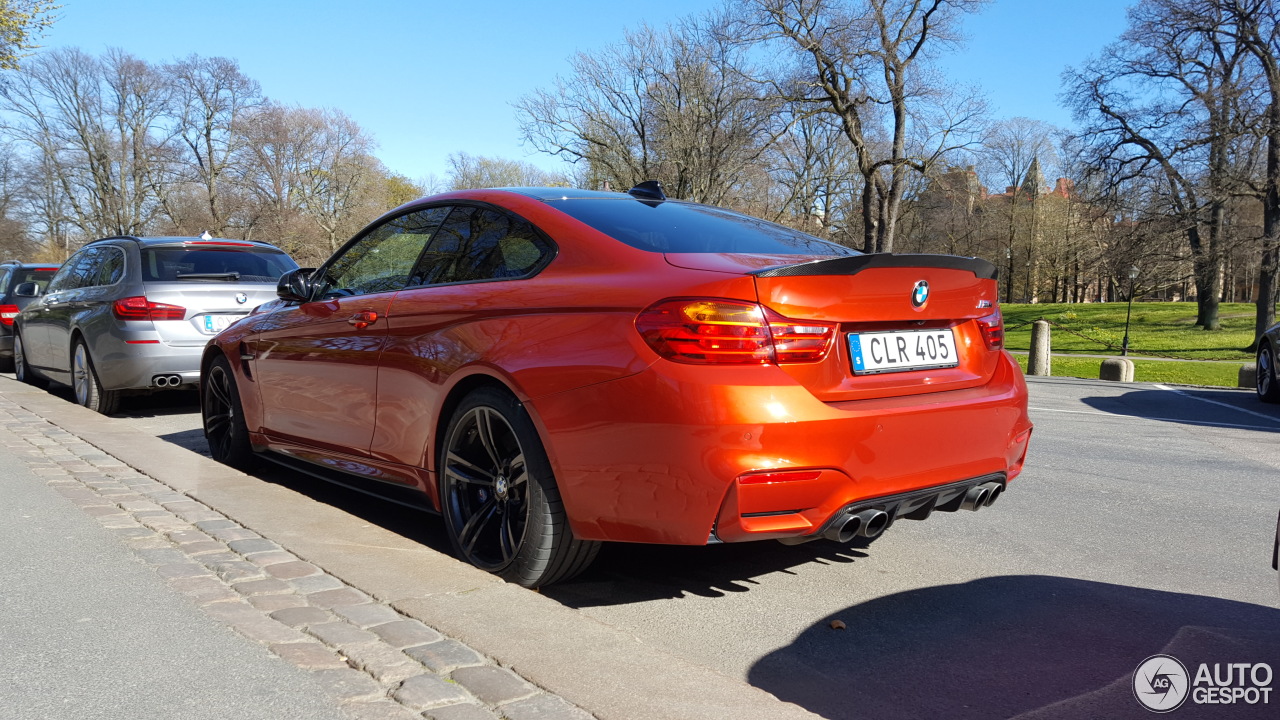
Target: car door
(87,308)
(317,362)
(458,283)
(53,309)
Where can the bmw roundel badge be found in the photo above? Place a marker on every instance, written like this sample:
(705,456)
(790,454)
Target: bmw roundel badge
(242,298)
(920,294)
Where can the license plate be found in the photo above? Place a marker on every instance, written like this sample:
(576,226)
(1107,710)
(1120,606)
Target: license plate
(214,324)
(898,351)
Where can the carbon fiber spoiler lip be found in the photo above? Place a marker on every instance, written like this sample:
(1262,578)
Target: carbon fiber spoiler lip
(854,264)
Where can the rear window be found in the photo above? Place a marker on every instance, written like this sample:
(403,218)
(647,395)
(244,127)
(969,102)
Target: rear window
(676,227)
(39,276)
(214,264)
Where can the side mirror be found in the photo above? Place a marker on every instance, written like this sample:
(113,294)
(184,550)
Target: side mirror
(295,285)
(27,290)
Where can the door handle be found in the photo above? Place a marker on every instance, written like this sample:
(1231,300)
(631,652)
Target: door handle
(363,319)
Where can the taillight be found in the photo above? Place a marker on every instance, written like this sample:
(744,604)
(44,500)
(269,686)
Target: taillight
(7,314)
(139,308)
(992,327)
(712,332)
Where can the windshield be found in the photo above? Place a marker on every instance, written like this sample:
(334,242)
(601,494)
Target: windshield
(678,227)
(162,264)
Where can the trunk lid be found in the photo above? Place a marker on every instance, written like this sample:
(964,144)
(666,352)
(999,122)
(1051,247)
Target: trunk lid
(893,316)
(211,306)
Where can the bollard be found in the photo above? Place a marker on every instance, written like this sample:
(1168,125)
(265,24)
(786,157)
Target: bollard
(1038,363)
(1116,370)
(1248,376)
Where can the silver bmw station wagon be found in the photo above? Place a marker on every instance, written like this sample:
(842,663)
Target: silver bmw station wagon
(132,314)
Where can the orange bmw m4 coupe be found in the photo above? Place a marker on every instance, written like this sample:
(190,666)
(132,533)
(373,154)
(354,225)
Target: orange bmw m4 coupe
(550,368)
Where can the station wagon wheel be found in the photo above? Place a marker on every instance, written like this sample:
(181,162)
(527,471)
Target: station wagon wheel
(499,499)
(88,388)
(1267,385)
(224,426)
(21,370)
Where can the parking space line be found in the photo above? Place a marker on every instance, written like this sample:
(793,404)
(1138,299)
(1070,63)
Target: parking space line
(1119,416)
(1225,405)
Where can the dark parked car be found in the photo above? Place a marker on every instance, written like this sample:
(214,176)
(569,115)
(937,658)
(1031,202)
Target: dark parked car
(13,274)
(130,314)
(1268,384)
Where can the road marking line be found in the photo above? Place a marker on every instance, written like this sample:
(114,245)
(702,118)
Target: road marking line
(1118,416)
(1215,402)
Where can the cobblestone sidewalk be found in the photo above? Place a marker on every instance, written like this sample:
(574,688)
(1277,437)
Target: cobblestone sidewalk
(377,663)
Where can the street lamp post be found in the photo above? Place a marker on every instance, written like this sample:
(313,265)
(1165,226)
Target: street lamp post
(1124,345)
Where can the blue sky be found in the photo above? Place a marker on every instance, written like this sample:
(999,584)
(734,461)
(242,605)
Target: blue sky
(429,78)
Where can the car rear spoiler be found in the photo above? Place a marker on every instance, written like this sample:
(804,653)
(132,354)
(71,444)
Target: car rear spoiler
(854,264)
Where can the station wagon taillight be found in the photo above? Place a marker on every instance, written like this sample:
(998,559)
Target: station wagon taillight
(713,331)
(139,308)
(7,314)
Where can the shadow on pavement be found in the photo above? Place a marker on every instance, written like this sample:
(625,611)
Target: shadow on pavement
(1046,647)
(625,573)
(1227,408)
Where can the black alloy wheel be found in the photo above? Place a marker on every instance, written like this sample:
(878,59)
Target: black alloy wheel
(88,388)
(500,502)
(224,426)
(1267,385)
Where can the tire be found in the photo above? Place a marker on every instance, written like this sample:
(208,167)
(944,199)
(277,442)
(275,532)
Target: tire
(1268,386)
(84,381)
(21,370)
(223,417)
(500,502)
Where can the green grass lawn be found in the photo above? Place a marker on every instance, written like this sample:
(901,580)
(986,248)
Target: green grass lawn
(1179,373)
(1156,329)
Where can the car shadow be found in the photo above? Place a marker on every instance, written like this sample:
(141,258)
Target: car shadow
(629,573)
(159,404)
(143,405)
(1014,646)
(1192,406)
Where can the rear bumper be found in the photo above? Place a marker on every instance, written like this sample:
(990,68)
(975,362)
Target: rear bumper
(675,454)
(126,366)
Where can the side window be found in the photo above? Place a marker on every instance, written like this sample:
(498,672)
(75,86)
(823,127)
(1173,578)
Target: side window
(383,260)
(482,244)
(111,269)
(74,272)
(4,280)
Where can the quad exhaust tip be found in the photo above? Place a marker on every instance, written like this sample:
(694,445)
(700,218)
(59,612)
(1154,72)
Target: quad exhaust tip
(981,496)
(166,380)
(868,524)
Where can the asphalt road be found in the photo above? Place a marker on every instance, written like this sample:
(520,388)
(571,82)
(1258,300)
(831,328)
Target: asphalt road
(1142,525)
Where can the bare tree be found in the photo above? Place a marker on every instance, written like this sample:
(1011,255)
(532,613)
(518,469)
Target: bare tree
(673,105)
(472,171)
(98,126)
(866,64)
(211,102)
(1170,99)
(1011,150)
